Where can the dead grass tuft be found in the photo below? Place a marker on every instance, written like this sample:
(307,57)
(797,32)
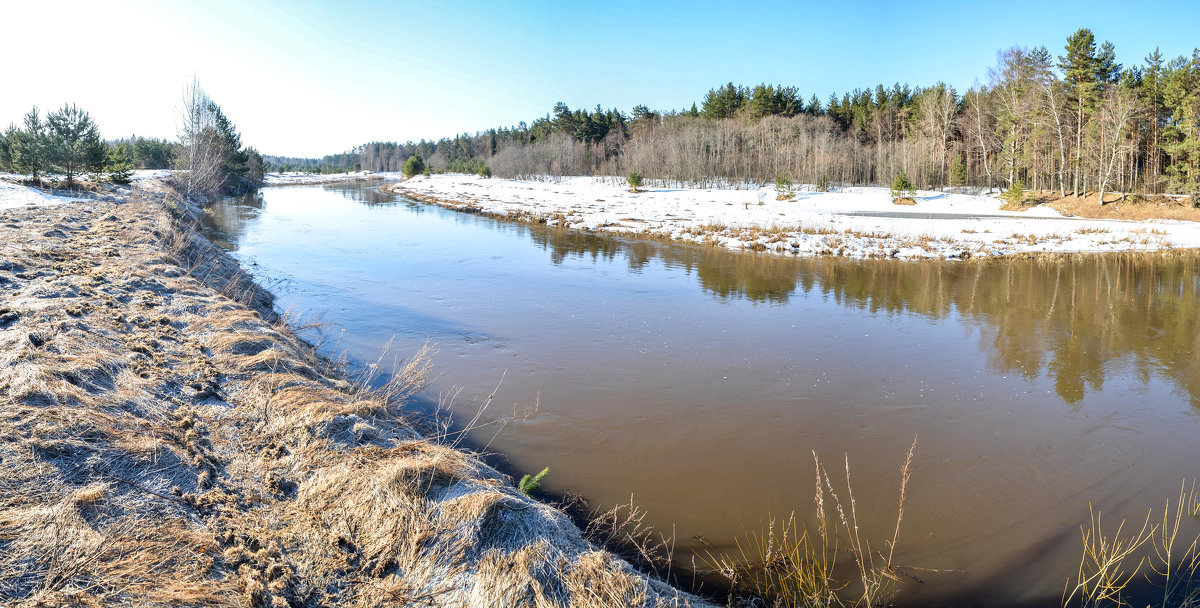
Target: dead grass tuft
(789,564)
(164,440)
(1117,206)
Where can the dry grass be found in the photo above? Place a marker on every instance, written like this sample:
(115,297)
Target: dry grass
(1132,208)
(165,439)
(789,564)
(1166,553)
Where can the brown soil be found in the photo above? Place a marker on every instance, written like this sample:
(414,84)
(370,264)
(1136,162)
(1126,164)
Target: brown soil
(166,440)
(904,201)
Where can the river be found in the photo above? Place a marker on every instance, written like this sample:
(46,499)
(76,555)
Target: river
(702,381)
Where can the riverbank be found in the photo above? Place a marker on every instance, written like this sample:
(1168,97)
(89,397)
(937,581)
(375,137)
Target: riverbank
(291,178)
(166,439)
(851,221)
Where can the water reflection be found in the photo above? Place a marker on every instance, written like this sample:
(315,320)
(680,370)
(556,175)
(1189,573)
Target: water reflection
(1074,319)
(675,371)
(225,224)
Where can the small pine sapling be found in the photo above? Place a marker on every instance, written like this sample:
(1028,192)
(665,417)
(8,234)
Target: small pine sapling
(1015,194)
(119,169)
(528,485)
(784,189)
(958,171)
(823,184)
(903,191)
(635,181)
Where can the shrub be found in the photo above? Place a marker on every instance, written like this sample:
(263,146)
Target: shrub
(902,188)
(485,171)
(414,165)
(635,180)
(823,184)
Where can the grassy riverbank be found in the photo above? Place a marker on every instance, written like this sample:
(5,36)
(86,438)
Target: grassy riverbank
(852,221)
(165,439)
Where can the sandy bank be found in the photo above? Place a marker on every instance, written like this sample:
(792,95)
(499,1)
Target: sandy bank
(850,221)
(166,440)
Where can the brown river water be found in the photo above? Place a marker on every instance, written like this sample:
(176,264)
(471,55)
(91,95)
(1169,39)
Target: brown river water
(702,381)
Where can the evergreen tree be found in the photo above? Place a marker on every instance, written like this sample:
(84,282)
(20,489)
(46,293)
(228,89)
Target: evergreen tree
(813,107)
(1080,68)
(1107,68)
(414,165)
(28,149)
(74,143)
(642,112)
(119,168)
(1181,135)
(6,140)
(902,187)
(724,102)
(958,171)
(1152,98)
(635,181)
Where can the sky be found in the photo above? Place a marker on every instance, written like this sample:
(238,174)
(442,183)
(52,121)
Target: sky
(308,78)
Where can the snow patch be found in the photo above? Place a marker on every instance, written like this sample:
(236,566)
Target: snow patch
(851,221)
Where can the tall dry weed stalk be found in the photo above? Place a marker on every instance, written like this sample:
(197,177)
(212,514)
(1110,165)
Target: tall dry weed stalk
(787,565)
(1160,551)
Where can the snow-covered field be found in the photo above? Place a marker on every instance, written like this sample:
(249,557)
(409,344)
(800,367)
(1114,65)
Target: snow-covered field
(284,179)
(13,193)
(16,195)
(852,221)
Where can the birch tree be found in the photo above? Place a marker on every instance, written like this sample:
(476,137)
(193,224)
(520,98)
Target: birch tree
(1119,109)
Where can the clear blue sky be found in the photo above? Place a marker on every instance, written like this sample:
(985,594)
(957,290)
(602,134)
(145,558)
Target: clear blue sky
(310,78)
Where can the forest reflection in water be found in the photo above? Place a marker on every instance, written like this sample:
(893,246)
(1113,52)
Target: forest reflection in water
(1075,317)
(679,372)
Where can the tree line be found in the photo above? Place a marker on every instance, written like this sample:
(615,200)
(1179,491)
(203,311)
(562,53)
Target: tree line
(66,141)
(1074,122)
(208,157)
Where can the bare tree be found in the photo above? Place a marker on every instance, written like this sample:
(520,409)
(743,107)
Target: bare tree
(204,155)
(1054,102)
(1120,107)
(1012,83)
(977,123)
(938,105)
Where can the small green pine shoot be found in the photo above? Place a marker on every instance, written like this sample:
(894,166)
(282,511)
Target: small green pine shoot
(529,485)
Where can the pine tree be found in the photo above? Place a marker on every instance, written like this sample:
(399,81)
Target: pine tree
(1151,83)
(75,144)
(29,147)
(6,140)
(958,171)
(635,181)
(902,187)
(119,168)
(1181,135)
(414,165)
(1080,68)
(813,107)
(1107,68)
